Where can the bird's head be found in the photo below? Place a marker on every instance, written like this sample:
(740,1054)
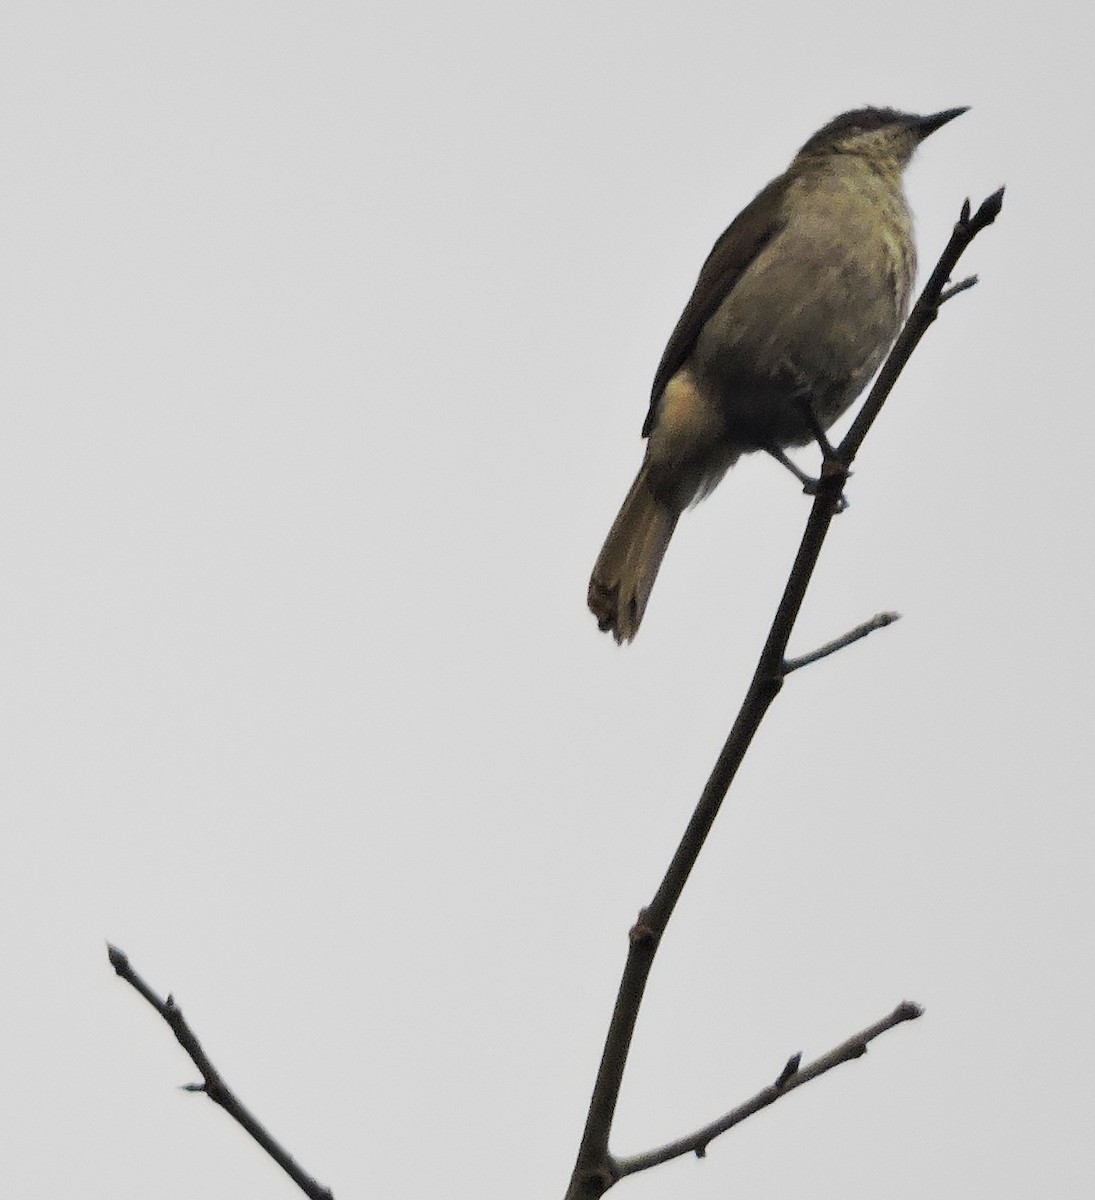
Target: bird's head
(877,133)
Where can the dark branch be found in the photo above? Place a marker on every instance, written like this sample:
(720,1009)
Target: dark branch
(595,1170)
(790,1078)
(878,621)
(212,1084)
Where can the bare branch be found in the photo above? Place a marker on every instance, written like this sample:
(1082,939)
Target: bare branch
(878,621)
(790,1078)
(212,1084)
(595,1170)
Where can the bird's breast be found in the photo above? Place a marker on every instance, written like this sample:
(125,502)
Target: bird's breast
(817,309)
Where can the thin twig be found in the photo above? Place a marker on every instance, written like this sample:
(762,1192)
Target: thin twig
(212,1084)
(595,1170)
(878,621)
(789,1078)
(962,286)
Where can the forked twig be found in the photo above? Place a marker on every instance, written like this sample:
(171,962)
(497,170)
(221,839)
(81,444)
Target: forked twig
(791,1077)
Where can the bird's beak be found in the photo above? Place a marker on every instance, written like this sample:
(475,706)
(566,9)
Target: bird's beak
(926,125)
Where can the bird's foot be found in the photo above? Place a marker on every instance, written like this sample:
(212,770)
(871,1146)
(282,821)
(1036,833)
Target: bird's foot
(832,469)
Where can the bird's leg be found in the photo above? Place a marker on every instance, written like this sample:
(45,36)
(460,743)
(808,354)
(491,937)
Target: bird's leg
(828,453)
(830,461)
(809,483)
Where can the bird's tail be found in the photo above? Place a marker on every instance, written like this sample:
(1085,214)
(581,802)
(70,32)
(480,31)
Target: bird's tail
(629,560)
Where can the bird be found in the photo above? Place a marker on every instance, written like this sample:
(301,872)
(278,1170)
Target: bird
(794,310)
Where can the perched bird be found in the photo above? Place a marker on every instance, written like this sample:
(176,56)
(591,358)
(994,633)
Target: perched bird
(793,312)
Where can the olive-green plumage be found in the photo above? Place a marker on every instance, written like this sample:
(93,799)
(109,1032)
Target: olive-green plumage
(798,303)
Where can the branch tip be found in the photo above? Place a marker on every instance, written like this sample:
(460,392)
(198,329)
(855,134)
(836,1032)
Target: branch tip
(990,209)
(789,1071)
(962,286)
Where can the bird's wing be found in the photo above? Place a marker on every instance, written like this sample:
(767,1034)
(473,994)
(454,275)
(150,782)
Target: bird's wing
(750,231)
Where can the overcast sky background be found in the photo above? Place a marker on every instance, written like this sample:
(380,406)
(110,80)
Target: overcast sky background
(328,331)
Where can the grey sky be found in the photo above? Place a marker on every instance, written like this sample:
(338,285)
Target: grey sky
(327,338)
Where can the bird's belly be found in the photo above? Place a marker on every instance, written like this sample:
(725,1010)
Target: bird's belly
(770,346)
